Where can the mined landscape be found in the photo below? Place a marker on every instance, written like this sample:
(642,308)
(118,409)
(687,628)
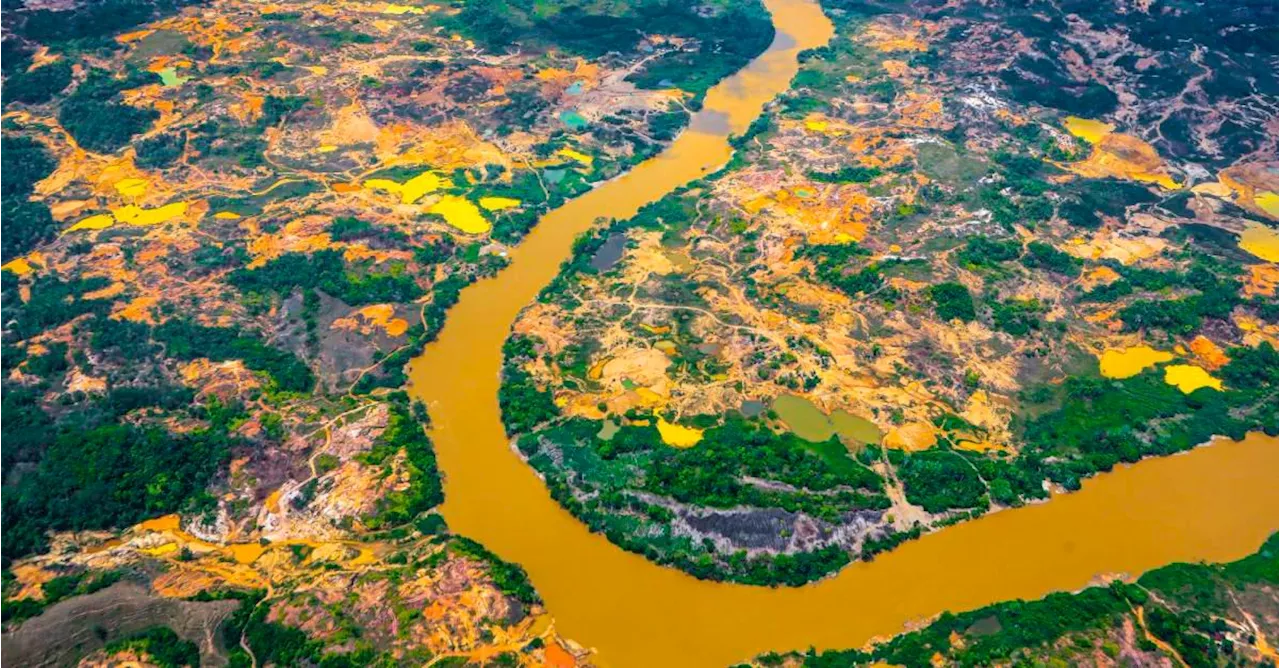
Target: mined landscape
(227,226)
(975,255)
(978,253)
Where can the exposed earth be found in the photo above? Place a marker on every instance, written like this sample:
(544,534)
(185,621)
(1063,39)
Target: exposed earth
(227,226)
(977,253)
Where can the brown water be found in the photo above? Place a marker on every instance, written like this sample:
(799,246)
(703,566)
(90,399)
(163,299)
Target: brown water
(1214,503)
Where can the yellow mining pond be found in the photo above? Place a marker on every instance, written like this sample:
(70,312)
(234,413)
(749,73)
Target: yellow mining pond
(461,213)
(1189,378)
(1261,241)
(678,436)
(1215,503)
(1126,362)
(1088,129)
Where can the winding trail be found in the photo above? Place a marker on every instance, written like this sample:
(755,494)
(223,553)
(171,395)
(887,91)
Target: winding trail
(1214,503)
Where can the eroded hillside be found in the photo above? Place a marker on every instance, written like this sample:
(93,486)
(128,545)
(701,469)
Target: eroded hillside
(978,253)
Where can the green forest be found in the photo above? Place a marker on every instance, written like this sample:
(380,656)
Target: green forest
(729,33)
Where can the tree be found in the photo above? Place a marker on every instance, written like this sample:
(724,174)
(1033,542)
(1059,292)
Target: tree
(952,301)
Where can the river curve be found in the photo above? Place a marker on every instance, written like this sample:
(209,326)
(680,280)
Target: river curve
(1213,503)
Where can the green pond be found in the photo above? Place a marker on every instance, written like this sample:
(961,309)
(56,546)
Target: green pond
(810,423)
(169,77)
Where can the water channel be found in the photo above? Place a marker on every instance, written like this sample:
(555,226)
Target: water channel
(1214,503)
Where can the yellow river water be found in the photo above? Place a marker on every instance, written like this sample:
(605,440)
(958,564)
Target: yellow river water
(1214,503)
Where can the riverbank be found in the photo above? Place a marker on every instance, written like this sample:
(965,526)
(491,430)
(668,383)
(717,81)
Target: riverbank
(638,614)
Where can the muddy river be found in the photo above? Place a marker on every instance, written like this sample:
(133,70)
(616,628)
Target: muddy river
(1214,503)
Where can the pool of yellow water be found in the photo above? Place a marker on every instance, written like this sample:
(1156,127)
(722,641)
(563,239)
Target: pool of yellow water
(1269,202)
(1189,378)
(461,213)
(1214,503)
(498,203)
(412,190)
(1088,129)
(1261,241)
(577,156)
(678,436)
(1126,362)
